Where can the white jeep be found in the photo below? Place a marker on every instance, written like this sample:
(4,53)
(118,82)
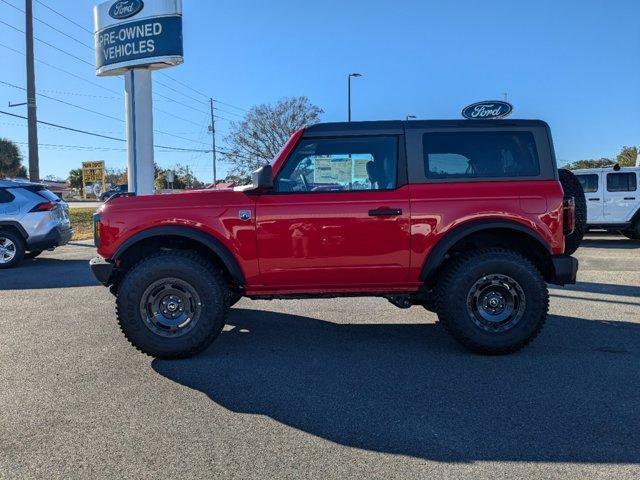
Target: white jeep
(613,199)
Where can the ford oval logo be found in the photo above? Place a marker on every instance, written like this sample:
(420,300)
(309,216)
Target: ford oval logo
(125,8)
(491,109)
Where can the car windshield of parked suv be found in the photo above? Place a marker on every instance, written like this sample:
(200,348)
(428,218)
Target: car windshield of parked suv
(453,155)
(341,164)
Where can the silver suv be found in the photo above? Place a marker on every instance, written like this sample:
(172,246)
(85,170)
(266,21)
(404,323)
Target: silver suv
(32,219)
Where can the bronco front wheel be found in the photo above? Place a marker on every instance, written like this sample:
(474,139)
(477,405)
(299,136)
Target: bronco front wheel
(172,304)
(493,301)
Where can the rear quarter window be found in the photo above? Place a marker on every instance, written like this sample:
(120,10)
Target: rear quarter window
(589,182)
(6,196)
(622,182)
(470,155)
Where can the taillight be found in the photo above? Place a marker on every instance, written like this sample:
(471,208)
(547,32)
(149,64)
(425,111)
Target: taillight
(96,229)
(44,207)
(569,215)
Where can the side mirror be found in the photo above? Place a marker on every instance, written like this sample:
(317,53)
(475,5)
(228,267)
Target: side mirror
(262,178)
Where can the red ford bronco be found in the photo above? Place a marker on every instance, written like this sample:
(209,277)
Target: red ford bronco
(469,219)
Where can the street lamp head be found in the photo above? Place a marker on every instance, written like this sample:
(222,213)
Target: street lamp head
(411,117)
(355,74)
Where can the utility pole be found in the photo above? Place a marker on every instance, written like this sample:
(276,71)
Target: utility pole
(32,119)
(212,129)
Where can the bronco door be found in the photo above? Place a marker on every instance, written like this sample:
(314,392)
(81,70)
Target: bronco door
(338,217)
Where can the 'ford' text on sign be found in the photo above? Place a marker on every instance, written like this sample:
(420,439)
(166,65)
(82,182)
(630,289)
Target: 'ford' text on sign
(144,39)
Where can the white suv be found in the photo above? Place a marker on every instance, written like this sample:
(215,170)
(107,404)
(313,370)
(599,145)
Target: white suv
(613,198)
(32,219)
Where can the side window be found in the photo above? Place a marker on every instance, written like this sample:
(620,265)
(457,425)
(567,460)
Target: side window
(5,196)
(589,182)
(464,155)
(621,182)
(341,164)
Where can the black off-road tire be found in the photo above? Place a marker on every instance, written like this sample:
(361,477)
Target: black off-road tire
(456,284)
(32,254)
(18,242)
(204,279)
(572,188)
(632,233)
(234,297)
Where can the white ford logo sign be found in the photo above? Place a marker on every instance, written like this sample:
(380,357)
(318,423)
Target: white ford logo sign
(125,8)
(491,109)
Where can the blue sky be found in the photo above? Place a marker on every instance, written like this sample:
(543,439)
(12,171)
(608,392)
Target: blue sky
(575,64)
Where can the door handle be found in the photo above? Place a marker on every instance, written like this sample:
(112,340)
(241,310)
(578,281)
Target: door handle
(629,198)
(594,199)
(389,212)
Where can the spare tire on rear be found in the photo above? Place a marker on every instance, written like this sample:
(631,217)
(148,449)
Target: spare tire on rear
(572,188)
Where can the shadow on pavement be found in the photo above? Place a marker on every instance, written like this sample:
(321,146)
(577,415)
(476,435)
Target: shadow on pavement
(606,288)
(47,273)
(572,396)
(621,243)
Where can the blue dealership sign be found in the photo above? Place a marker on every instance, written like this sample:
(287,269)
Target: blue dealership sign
(137,34)
(490,109)
(143,39)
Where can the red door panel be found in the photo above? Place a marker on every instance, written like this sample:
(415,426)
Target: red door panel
(314,240)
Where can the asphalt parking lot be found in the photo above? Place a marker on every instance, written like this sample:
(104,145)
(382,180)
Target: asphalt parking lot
(319,388)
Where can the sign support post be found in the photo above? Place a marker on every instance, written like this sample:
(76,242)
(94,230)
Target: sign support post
(139,115)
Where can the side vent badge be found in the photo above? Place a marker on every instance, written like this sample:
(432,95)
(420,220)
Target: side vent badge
(245,215)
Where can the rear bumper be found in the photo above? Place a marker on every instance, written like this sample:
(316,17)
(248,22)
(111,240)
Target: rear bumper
(55,238)
(101,269)
(565,269)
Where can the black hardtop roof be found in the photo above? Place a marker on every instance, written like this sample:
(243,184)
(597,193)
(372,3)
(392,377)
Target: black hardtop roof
(399,125)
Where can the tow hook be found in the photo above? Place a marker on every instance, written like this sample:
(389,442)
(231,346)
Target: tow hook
(400,301)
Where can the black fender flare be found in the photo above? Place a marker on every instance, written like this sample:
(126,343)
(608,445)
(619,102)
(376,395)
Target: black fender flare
(215,245)
(438,253)
(16,225)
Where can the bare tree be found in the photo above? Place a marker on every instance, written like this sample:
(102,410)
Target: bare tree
(256,139)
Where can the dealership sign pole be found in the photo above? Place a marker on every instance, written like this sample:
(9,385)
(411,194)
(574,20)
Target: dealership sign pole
(132,38)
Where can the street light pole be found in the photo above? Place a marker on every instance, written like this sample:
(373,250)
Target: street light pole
(355,75)
(32,119)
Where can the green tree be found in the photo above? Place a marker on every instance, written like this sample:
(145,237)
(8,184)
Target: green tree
(603,162)
(258,137)
(10,160)
(627,156)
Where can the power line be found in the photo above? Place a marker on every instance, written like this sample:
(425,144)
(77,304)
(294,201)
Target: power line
(93,134)
(67,103)
(199,92)
(63,70)
(65,17)
(49,25)
(91,47)
(161,132)
(48,44)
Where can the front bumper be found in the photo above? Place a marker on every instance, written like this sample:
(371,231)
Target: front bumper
(565,269)
(101,269)
(55,238)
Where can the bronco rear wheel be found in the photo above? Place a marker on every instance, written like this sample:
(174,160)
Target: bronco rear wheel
(492,301)
(172,304)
